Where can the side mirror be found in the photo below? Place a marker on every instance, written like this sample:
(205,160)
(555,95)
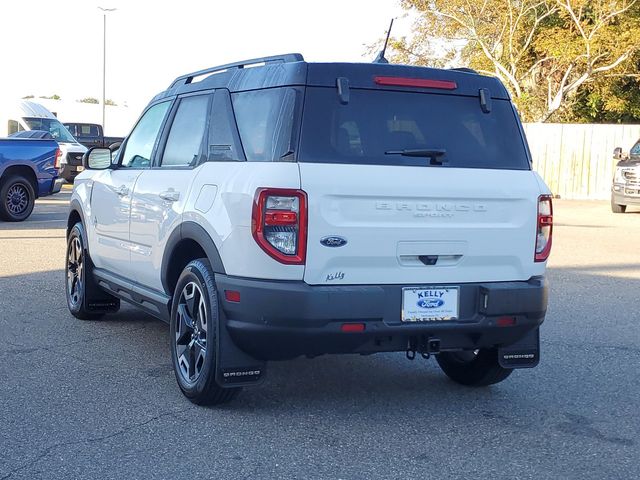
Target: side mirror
(97,158)
(617,153)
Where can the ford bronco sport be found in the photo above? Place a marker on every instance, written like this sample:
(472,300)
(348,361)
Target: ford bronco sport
(296,208)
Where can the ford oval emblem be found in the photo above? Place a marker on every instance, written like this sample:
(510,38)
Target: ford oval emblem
(430,302)
(333,241)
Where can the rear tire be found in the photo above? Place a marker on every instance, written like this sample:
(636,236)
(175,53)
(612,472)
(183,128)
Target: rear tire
(474,369)
(17,198)
(193,335)
(616,208)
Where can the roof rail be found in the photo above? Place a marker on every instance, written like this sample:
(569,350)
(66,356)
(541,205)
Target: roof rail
(284,58)
(464,69)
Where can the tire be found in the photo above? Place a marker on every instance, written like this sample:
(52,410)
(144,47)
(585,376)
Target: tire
(77,267)
(17,198)
(474,369)
(193,335)
(615,208)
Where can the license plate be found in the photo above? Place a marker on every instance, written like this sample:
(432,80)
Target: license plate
(430,304)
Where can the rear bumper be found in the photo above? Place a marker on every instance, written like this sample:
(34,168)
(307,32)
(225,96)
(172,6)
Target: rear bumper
(70,172)
(283,319)
(56,185)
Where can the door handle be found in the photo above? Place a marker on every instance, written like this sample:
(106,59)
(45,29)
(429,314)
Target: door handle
(123,191)
(170,195)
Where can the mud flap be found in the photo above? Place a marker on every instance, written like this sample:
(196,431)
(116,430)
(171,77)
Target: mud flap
(525,353)
(96,299)
(235,368)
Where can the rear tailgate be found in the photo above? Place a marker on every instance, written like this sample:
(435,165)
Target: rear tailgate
(417,225)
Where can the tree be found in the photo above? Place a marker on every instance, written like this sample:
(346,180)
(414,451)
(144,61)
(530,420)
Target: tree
(544,51)
(110,102)
(89,100)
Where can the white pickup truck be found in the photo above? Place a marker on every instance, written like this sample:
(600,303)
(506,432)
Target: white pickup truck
(296,208)
(625,189)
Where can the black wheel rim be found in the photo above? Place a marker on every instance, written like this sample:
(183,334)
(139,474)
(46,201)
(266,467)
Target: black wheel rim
(17,199)
(75,266)
(191,333)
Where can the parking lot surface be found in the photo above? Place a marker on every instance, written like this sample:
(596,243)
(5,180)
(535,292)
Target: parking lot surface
(99,400)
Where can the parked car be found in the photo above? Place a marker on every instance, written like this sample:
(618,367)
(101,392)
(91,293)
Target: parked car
(91,135)
(625,189)
(26,115)
(296,209)
(28,170)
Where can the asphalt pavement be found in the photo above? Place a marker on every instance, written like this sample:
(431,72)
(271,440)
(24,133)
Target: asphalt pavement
(98,399)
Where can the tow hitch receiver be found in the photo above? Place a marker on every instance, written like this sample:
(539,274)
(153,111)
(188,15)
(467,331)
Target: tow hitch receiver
(426,346)
(525,353)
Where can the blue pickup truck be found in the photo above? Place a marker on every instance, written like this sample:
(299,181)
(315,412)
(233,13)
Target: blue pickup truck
(28,169)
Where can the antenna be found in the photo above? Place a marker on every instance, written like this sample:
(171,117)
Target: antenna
(380,58)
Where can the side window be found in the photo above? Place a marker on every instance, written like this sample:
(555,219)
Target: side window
(265,121)
(137,153)
(184,143)
(13,127)
(224,143)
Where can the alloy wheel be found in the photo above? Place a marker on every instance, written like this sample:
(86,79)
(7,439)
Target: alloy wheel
(191,332)
(17,199)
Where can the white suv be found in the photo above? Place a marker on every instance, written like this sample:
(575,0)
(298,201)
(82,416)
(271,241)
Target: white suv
(295,209)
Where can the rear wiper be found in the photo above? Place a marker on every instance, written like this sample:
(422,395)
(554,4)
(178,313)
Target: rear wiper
(419,152)
(433,154)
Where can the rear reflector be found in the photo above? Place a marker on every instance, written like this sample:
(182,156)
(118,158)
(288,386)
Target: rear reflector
(232,296)
(506,321)
(352,327)
(416,82)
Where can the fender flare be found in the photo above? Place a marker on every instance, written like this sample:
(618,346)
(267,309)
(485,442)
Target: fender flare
(190,231)
(75,206)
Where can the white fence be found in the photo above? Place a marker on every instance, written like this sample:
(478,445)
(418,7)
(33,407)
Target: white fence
(576,160)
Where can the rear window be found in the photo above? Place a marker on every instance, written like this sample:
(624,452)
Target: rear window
(375,125)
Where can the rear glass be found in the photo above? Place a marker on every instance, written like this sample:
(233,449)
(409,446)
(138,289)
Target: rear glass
(265,122)
(375,125)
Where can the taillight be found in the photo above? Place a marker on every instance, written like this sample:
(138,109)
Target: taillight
(279,224)
(56,162)
(544,229)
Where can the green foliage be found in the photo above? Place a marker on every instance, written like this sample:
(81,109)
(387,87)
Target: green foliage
(89,100)
(52,97)
(110,102)
(575,60)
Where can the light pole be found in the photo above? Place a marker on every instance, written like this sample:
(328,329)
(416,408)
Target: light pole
(104,58)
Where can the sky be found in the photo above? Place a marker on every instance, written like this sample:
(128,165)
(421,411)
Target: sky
(55,46)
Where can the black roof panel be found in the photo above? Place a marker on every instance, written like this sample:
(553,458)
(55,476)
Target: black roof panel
(289,69)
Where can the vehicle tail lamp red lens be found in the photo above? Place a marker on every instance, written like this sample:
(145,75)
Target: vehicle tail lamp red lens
(415,82)
(544,231)
(56,162)
(279,224)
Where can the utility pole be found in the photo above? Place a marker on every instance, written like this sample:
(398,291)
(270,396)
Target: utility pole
(104,60)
